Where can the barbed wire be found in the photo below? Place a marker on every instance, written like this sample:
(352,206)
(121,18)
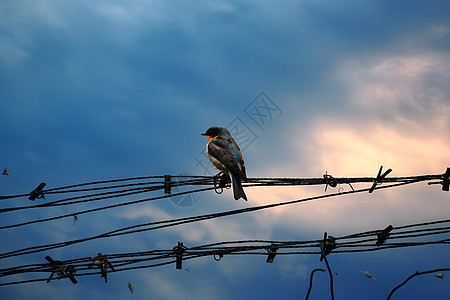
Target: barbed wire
(357,242)
(194,181)
(158,185)
(421,234)
(179,221)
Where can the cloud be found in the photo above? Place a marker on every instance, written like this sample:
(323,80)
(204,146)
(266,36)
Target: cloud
(11,54)
(196,233)
(395,113)
(165,284)
(360,84)
(410,89)
(398,115)
(347,151)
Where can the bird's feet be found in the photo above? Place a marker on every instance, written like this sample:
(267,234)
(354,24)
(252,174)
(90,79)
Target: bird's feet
(221,181)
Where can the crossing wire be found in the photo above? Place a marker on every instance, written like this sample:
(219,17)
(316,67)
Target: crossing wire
(135,188)
(179,221)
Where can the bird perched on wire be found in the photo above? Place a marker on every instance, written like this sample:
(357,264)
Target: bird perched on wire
(226,156)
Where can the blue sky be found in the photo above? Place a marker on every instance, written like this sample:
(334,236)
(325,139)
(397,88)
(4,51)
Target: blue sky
(94,90)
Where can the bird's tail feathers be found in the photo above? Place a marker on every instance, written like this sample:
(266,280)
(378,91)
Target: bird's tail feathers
(237,187)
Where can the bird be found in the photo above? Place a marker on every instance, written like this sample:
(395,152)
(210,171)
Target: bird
(226,156)
(5,172)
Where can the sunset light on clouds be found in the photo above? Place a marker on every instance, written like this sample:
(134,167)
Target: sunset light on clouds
(105,90)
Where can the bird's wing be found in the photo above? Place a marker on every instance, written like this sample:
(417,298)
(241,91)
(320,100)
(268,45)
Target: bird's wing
(222,153)
(243,168)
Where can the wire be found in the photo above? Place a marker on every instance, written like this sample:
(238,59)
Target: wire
(139,260)
(122,261)
(152,186)
(175,222)
(103,208)
(193,180)
(208,180)
(311,281)
(170,223)
(414,275)
(329,273)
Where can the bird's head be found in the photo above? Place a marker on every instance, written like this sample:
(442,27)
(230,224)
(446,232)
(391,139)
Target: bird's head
(214,132)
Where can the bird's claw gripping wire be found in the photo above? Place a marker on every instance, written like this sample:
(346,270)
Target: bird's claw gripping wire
(221,181)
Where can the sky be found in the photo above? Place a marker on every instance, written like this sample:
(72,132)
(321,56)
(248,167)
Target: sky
(98,90)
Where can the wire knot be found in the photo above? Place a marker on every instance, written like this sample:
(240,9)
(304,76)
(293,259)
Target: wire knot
(329,181)
(63,271)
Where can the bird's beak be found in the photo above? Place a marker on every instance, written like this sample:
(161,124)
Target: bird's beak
(203,133)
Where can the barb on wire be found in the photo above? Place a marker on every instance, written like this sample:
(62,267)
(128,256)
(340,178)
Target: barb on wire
(446,180)
(272,252)
(380,178)
(327,245)
(383,235)
(325,248)
(37,192)
(63,270)
(167,184)
(178,251)
(329,181)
